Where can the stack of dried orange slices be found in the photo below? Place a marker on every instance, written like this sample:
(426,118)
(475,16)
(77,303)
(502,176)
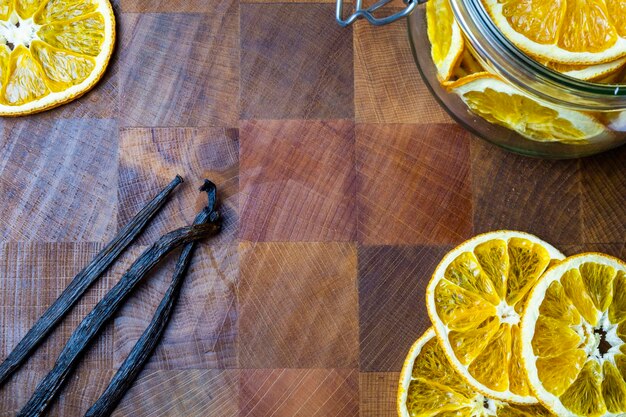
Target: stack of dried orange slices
(51,51)
(581,39)
(519,330)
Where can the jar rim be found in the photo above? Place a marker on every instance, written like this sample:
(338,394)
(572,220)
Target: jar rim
(517,67)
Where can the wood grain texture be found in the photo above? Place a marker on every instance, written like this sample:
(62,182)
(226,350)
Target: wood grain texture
(614,249)
(413,184)
(202,333)
(33,275)
(175,6)
(74,400)
(392,310)
(519,193)
(297,181)
(81,391)
(387,84)
(150,158)
(57,179)
(14,395)
(180,69)
(189,393)
(296,62)
(378,394)
(299,393)
(298,305)
(604,197)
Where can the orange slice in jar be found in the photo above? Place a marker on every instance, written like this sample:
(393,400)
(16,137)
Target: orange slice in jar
(444,34)
(580,32)
(596,73)
(51,51)
(468,65)
(502,104)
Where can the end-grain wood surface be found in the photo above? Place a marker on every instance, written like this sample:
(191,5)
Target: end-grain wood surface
(342,181)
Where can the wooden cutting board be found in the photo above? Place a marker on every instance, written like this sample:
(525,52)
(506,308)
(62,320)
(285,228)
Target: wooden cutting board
(342,183)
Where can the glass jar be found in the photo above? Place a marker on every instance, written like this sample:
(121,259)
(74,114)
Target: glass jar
(498,55)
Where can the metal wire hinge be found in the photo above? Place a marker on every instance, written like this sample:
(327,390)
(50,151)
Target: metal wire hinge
(368,13)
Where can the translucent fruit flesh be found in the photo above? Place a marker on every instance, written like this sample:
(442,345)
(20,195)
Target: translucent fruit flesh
(83,35)
(429,387)
(50,46)
(498,103)
(563,31)
(491,366)
(476,299)
(576,341)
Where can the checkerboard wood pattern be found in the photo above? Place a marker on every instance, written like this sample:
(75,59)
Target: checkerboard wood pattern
(342,184)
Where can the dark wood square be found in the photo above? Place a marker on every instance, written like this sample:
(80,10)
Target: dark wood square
(298,301)
(604,197)
(520,193)
(613,249)
(298,393)
(392,302)
(58,179)
(413,184)
(151,158)
(378,393)
(180,69)
(296,62)
(297,181)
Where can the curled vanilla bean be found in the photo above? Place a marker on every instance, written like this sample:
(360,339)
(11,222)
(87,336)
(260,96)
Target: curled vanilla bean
(143,349)
(91,325)
(82,281)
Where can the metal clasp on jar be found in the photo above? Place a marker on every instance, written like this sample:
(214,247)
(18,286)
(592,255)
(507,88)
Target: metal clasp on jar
(368,13)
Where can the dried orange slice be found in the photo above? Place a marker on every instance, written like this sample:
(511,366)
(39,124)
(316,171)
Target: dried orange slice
(429,386)
(468,65)
(500,103)
(596,72)
(475,299)
(564,31)
(574,337)
(446,41)
(51,51)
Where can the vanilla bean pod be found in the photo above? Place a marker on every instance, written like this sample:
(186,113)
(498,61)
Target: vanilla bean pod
(82,281)
(91,325)
(144,347)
